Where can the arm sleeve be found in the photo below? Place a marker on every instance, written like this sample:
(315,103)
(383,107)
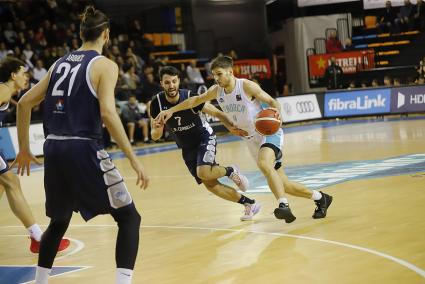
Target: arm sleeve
(154,107)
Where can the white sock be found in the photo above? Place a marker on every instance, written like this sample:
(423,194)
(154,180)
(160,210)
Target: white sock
(283,200)
(124,276)
(316,195)
(35,232)
(42,275)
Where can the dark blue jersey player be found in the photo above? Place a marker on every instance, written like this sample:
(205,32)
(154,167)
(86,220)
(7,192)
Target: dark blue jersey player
(78,94)
(197,140)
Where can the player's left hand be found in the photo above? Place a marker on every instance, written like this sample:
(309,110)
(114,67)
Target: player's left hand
(23,162)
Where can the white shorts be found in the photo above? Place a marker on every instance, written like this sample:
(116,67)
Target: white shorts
(257,141)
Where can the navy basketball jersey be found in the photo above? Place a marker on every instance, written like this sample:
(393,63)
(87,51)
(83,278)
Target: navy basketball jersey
(71,107)
(187,126)
(3,112)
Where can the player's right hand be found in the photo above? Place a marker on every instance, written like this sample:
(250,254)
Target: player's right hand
(157,124)
(23,162)
(142,178)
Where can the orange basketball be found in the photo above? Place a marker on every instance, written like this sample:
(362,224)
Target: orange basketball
(266,123)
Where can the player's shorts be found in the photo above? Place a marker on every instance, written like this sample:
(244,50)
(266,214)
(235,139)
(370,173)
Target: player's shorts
(3,164)
(275,142)
(80,176)
(203,154)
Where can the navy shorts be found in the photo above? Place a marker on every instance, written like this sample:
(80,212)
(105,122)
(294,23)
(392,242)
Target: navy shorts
(80,176)
(3,164)
(204,154)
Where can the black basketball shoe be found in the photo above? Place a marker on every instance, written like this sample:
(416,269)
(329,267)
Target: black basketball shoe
(322,206)
(284,212)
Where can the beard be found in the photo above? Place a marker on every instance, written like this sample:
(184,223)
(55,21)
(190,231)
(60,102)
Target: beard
(172,94)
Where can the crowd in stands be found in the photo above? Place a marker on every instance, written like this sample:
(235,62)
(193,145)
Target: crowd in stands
(407,17)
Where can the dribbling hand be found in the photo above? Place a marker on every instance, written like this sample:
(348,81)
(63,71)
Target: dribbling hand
(277,113)
(163,116)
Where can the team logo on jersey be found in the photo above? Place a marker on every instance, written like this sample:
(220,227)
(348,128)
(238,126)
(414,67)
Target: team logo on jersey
(221,100)
(238,97)
(59,106)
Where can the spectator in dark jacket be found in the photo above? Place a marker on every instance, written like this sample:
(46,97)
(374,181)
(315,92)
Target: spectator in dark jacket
(386,22)
(405,18)
(333,75)
(419,15)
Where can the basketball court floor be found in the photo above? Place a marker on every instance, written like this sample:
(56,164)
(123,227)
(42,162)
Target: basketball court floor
(374,231)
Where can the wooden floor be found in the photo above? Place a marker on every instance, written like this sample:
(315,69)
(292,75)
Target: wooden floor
(374,232)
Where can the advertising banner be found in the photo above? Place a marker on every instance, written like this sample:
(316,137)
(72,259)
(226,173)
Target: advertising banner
(6,145)
(350,62)
(357,102)
(36,138)
(408,99)
(303,3)
(296,108)
(252,67)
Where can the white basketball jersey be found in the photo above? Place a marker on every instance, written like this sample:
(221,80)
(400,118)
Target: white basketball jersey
(240,109)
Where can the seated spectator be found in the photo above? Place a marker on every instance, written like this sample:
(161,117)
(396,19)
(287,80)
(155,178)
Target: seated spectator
(397,82)
(405,18)
(333,75)
(3,51)
(150,88)
(375,83)
(388,82)
(386,22)
(131,79)
(39,71)
(363,84)
(348,45)
(333,44)
(421,68)
(419,15)
(132,115)
(194,74)
(352,85)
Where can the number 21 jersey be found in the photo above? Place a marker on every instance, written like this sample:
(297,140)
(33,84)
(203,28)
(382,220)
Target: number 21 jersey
(71,107)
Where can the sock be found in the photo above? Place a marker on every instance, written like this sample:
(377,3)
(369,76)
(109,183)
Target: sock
(316,195)
(42,275)
(123,276)
(229,171)
(244,200)
(35,232)
(283,200)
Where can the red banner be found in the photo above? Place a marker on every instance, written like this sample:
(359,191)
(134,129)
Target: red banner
(350,62)
(252,67)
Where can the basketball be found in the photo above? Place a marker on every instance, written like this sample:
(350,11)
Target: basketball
(266,123)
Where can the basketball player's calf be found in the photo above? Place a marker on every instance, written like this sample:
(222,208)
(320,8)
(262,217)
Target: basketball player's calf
(208,172)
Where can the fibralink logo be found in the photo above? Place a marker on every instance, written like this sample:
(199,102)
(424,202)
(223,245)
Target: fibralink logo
(360,103)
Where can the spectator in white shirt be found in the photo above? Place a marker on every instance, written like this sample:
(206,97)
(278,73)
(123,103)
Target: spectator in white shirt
(3,50)
(194,74)
(39,70)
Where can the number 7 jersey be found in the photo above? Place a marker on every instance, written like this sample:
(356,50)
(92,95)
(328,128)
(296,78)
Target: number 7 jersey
(71,107)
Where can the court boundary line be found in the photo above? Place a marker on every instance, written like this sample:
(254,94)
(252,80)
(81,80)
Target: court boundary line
(397,260)
(81,268)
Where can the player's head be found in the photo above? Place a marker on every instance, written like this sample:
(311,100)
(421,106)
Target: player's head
(94,26)
(12,69)
(170,80)
(222,70)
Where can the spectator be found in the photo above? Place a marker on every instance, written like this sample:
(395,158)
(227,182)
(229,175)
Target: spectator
(194,74)
(132,116)
(39,70)
(333,44)
(3,51)
(150,88)
(419,15)
(421,68)
(130,78)
(405,19)
(375,83)
(348,45)
(333,75)
(287,90)
(388,82)
(397,82)
(28,51)
(363,84)
(387,19)
(233,54)
(352,85)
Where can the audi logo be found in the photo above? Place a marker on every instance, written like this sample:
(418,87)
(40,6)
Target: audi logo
(305,106)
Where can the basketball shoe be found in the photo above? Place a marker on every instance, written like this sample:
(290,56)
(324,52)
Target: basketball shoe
(322,206)
(284,212)
(239,179)
(250,211)
(35,246)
